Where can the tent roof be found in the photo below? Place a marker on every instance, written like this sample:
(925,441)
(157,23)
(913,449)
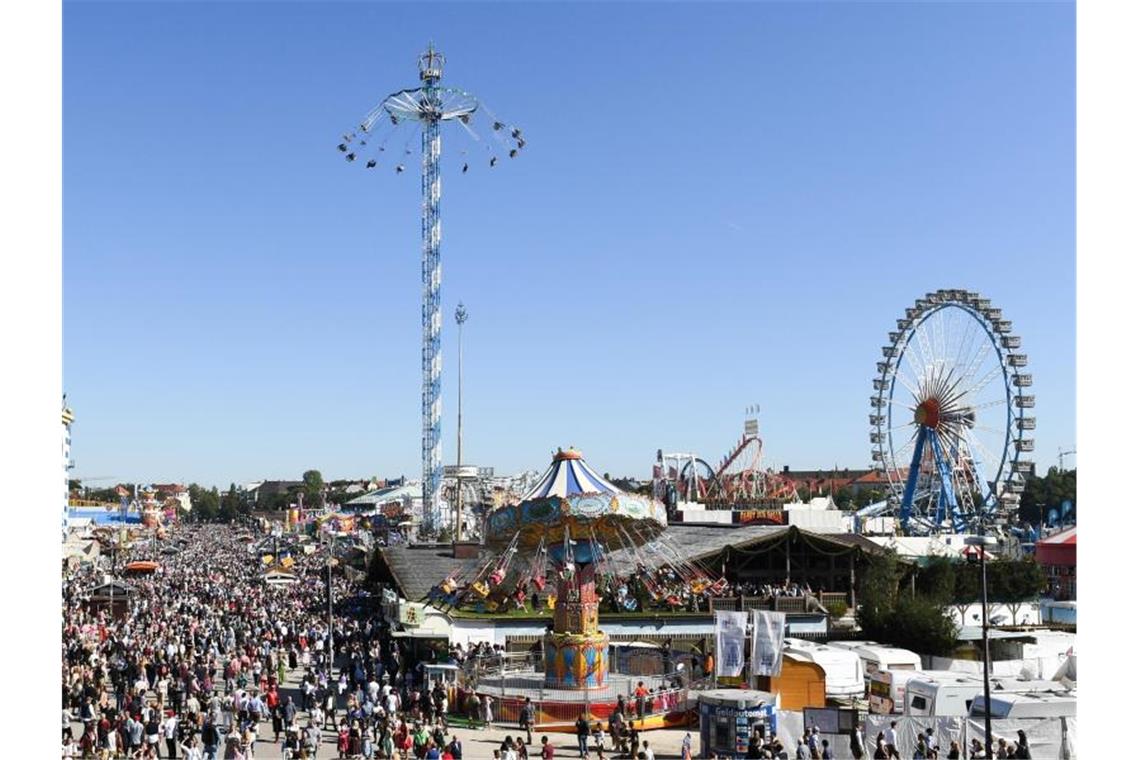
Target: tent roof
(569,475)
(1065,537)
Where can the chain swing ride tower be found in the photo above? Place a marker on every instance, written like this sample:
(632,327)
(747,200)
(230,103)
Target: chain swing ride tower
(425,109)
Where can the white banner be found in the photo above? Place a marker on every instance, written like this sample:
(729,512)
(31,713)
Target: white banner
(730,642)
(767,642)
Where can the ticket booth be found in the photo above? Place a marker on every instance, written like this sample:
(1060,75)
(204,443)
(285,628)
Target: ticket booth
(728,718)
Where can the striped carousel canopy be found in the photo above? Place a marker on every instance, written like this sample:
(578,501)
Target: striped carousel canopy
(569,475)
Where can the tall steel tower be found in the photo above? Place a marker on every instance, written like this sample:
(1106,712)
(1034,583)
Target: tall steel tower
(425,108)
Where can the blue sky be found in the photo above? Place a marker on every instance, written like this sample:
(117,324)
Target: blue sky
(718,205)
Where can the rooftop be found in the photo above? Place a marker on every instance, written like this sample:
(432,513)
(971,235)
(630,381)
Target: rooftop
(416,569)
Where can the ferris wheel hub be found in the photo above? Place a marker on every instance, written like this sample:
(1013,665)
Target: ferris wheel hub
(928,413)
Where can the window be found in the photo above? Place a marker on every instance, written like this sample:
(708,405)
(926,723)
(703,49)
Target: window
(918,703)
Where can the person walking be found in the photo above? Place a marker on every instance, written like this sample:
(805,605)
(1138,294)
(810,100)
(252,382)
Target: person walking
(526,718)
(170,734)
(210,739)
(488,714)
(547,749)
(582,728)
(892,741)
(856,743)
(1022,750)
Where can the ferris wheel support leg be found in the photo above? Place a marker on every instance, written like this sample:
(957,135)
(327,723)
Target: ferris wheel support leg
(912,480)
(948,499)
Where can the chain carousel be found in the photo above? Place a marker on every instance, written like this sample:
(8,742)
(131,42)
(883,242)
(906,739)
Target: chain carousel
(557,546)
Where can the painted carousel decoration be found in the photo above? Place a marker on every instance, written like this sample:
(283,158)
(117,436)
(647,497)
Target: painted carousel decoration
(568,519)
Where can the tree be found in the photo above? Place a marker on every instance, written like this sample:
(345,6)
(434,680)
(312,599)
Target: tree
(917,622)
(938,581)
(1044,493)
(314,486)
(204,505)
(922,625)
(878,592)
(231,505)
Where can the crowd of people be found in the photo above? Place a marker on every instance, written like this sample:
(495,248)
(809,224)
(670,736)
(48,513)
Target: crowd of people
(198,659)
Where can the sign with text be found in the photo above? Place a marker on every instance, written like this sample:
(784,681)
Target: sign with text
(760,516)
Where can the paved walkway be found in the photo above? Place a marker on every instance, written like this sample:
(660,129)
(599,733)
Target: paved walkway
(478,744)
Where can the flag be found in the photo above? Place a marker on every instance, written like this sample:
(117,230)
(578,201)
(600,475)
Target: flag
(730,642)
(767,642)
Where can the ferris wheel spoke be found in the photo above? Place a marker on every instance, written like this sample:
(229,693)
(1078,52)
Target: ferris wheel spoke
(917,370)
(975,361)
(923,345)
(944,337)
(897,373)
(990,404)
(986,380)
(981,449)
(966,347)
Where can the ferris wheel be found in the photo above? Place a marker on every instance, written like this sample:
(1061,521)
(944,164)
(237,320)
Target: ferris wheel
(948,414)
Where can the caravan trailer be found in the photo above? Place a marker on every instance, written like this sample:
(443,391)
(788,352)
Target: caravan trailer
(886,693)
(1032,705)
(940,693)
(843,671)
(876,657)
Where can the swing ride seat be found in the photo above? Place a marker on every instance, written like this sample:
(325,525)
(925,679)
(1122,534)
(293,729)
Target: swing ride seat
(481,588)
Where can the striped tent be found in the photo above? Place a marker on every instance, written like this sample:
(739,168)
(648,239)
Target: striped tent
(569,475)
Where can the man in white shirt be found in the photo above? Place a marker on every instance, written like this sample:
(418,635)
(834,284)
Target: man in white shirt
(892,741)
(170,734)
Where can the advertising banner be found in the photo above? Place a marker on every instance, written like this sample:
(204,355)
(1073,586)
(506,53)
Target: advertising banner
(730,629)
(767,642)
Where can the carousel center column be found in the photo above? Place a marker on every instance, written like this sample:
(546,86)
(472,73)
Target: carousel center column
(577,654)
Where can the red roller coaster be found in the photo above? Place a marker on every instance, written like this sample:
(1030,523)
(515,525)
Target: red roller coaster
(739,482)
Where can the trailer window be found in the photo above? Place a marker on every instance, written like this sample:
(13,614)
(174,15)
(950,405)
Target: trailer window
(918,703)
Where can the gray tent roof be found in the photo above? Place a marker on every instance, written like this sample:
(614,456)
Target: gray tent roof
(417,568)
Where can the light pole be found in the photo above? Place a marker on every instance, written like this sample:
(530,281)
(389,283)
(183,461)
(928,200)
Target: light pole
(983,543)
(460,318)
(331,564)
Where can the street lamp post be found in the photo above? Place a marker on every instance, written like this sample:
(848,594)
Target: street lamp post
(983,543)
(331,563)
(460,318)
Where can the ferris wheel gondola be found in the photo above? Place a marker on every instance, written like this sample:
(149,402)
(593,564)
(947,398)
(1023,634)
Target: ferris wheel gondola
(948,414)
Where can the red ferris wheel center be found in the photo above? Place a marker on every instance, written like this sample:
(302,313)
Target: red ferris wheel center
(928,413)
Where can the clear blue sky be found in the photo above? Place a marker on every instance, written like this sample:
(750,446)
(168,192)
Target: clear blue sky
(717,206)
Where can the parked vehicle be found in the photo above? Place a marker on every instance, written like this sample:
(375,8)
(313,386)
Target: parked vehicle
(1031,705)
(843,671)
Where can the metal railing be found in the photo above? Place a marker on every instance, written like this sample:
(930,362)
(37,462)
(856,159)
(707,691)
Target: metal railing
(509,678)
(794,604)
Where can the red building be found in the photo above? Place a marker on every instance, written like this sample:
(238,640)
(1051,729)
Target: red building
(1057,555)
